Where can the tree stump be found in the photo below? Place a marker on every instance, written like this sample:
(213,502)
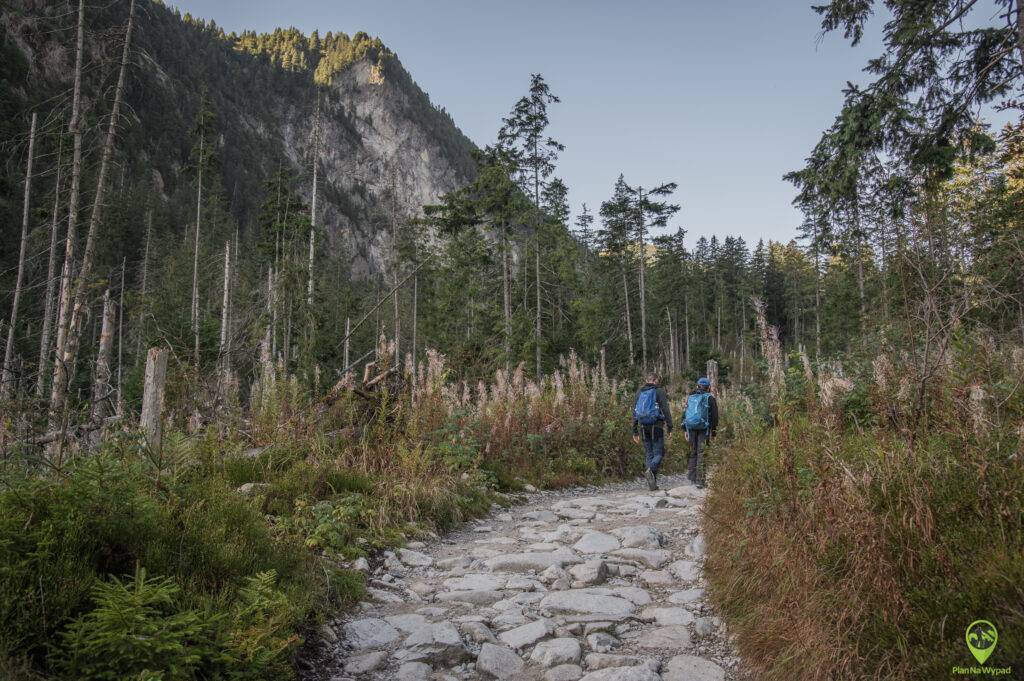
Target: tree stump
(153,396)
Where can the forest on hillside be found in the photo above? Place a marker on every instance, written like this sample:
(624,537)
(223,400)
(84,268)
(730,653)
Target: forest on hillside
(267,415)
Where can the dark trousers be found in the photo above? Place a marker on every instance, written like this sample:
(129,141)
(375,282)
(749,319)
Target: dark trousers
(698,440)
(653,438)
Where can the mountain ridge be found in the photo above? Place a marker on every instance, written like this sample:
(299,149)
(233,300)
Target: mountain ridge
(382,140)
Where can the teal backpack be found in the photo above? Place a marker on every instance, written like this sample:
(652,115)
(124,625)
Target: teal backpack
(698,412)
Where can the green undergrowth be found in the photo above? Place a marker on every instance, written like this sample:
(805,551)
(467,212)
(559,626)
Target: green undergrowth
(212,557)
(840,547)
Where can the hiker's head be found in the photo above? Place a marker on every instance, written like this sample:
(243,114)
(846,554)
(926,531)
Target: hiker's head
(653,378)
(704,383)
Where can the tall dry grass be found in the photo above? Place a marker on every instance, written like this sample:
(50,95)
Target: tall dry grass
(842,548)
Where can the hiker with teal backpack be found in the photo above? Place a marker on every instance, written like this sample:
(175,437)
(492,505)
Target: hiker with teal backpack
(652,425)
(700,422)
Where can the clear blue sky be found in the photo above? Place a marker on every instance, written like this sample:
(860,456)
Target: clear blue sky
(721,97)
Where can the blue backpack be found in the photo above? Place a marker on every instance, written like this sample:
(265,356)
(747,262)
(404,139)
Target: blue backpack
(698,412)
(647,412)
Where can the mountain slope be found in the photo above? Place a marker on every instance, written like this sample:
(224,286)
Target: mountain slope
(384,146)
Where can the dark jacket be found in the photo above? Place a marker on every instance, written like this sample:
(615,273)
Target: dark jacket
(712,411)
(666,413)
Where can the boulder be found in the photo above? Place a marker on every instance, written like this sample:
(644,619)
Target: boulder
(652,558)
(685,570)
(413,671)
(602,642)
(367,662)
(438,642)
(406,623)
(639,537)
(476,582)
(686,597)
(498,662)
(414,558)
(564,672)
(527,634)
(369,633)
(556,651)
(589,573)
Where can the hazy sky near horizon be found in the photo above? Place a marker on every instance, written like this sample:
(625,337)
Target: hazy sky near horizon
(721,97)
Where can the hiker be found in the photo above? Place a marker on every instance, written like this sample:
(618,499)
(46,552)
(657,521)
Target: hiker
(652,425)
(700,424)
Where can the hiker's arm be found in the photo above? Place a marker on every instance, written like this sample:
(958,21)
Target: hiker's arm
(666,410)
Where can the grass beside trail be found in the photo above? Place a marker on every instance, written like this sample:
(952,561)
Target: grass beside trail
(211,558)
(838,551)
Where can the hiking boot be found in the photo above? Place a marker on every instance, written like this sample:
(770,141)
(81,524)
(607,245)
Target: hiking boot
(652,479)
(701,485)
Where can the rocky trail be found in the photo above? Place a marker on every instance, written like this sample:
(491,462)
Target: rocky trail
(599,584)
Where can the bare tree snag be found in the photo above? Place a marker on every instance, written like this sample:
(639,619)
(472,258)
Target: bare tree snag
(153,396)
(222,350)
(120,342)
(67,352)
(58,388)
(44,341)
(712,370)
(7,377)
(101,381)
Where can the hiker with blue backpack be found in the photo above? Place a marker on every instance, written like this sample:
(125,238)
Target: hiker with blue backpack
(652,425)
(700,424)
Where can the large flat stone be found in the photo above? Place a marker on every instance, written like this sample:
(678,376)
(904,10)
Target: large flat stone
(498,662)
(414,671)
(666,616)
(474,597)
(606,661)
(692,668)
(532,562)
(367,662)
(588,602)
(556,651)
(639,537)
(484,581)
(674,637)
(406,623)
(652,558)
(369,633)
(622,674)
(596,542)
(438,642)
(589,573)
(527,634)
(414,558)
(685,570)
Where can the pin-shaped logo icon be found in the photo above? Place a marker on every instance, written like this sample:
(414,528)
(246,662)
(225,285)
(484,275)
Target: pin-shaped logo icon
(981,639)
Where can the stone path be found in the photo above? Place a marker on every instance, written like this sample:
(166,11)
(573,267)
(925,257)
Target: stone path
(600,584)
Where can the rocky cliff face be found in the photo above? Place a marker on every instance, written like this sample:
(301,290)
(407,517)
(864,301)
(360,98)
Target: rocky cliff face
(380,155)
(384,148)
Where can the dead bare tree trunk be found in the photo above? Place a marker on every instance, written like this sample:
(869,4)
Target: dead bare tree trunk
(538,330)
(686,314)
(44,341)
(312,207)
(101,381)
(225,303)
(7,377)
(712,373)
(120,342)
(68,351)
(643,283)
(195,256)
(58,387)
(344,358)
(629,317)
(672,369)
(506,292)
(415,300)
(153,396)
